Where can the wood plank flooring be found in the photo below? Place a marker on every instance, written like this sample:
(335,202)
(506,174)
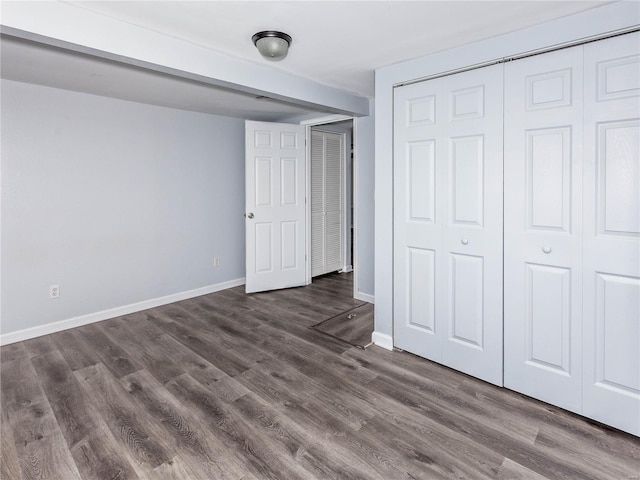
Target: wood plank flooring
(235,386)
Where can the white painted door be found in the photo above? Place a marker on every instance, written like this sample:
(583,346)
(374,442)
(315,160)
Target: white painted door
(275,206)
(611,277)
(327,215)
(448,221)
(543,227)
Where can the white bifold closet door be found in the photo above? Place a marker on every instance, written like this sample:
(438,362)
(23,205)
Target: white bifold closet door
(572,229)
(543,227)
(611,268)
(327,215)
(448,221)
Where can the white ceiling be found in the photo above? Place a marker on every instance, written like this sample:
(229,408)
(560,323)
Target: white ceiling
(337,43)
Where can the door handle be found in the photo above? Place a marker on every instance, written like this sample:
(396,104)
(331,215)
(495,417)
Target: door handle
(249,215)
(464,241)
(546,249)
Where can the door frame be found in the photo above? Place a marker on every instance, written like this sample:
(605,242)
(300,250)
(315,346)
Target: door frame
(316,122)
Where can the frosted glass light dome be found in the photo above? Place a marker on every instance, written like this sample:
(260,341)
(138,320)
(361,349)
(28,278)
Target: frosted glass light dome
(272,45)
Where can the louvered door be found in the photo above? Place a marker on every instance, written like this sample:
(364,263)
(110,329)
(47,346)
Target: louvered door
(327,215)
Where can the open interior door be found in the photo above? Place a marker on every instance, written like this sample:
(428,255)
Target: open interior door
(275,206)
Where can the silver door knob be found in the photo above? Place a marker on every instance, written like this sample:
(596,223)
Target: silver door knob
(464,241)
(546,249)
(249,215)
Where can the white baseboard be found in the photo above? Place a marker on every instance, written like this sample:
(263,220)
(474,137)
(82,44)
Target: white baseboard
(346,269)
(382,340)
(365,297)
(27,333)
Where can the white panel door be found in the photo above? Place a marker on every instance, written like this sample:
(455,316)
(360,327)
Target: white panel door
(448,221)
(417,232)
(275,190)
(612,233)
(543,227)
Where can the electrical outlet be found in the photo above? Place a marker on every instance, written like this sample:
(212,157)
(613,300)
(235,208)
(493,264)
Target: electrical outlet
(54,291)
(216,262)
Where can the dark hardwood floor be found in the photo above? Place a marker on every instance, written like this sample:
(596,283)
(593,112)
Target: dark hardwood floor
(235,386)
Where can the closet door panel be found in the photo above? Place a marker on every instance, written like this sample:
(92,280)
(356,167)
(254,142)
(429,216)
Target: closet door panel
(470,310)
(448,221)
(417,218)
(612,232)
(317,204)
(548,321)
(467,187)
(333,202)
(466,324)
(327,216)
(543,228)
(420,295)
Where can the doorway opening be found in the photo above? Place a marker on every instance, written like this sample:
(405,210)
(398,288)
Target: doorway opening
(330,209)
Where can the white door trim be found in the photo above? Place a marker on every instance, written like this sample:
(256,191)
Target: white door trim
(324,120)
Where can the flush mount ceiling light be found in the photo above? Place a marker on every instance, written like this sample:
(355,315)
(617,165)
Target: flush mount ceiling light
(272,45)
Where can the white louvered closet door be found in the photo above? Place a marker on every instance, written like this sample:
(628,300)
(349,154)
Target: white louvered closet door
(327,216)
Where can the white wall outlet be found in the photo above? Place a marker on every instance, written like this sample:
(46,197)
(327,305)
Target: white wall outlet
(54,291)
(216,262)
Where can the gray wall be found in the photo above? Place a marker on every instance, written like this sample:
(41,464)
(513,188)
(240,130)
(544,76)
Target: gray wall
(365,199)
(117,202)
